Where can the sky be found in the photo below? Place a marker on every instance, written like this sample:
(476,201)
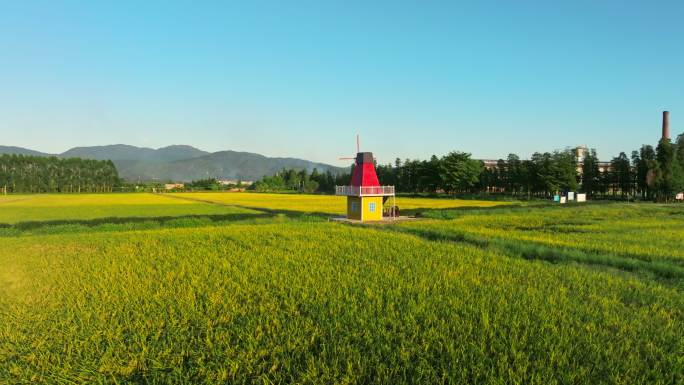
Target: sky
(303,78)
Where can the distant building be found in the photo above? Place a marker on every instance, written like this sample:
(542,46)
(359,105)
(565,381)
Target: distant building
(232,182)
(174,186)
(579,152)
(489,164)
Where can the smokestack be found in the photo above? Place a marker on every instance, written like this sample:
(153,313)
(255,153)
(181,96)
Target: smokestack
(666,125)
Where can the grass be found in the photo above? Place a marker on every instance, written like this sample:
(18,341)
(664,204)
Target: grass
(287,297)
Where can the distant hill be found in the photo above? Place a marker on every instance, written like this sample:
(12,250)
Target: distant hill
(20,151)
(228,165)
(183,163)
(126,152)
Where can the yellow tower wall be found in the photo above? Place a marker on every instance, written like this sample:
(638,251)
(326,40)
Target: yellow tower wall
(372,208)
(364,208)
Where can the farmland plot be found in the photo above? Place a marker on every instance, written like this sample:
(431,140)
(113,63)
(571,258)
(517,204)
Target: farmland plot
(61,207)
(634,237)
(296,299)
(325,204)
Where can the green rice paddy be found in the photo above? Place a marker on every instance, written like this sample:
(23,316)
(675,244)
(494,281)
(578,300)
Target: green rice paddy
(245,289)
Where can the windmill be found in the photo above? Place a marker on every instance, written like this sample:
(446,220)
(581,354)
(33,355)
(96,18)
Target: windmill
(365,196)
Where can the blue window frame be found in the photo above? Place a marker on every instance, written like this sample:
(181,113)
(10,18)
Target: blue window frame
(371,207)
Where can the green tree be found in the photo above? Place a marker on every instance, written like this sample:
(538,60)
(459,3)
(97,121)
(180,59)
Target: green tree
(680,161)
(646,170)
(515,174)
(668,171)
(590,173)
(565,170)
(458,172)
(622,174)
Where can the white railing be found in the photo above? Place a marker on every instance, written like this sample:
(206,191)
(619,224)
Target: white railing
(364,190)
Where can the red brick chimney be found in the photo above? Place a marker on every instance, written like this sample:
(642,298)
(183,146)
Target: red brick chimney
(666,125)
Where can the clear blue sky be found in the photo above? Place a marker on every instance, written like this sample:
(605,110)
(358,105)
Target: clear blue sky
(301,78)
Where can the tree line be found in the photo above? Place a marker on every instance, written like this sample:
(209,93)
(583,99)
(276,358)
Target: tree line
(302,181)
(649,173)
(453,173)
(542,175)
(37,174)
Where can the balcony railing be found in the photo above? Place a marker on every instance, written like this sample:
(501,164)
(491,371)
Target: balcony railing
(358,191)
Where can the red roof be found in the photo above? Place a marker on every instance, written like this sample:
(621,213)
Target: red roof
(364,172)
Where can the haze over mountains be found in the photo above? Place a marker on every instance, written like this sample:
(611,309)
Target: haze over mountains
(181,162)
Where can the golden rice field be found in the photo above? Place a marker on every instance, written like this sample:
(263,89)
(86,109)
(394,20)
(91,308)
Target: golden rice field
(325,204)
(56,207)
(59,207)
(278,294)
(645,235)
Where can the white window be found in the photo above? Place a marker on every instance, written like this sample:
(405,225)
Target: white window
(371,207)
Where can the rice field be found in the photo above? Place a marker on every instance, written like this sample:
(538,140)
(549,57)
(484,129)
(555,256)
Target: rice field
(280,295)
(64,207)
(324,204)
(629,236)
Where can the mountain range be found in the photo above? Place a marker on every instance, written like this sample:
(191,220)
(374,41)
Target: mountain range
(181,162)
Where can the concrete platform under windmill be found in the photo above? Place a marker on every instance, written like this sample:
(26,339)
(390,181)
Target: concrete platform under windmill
(383,221)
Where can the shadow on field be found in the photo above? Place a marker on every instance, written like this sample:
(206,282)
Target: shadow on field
(455,212)
(161,220)
(289,213)
(669,272)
